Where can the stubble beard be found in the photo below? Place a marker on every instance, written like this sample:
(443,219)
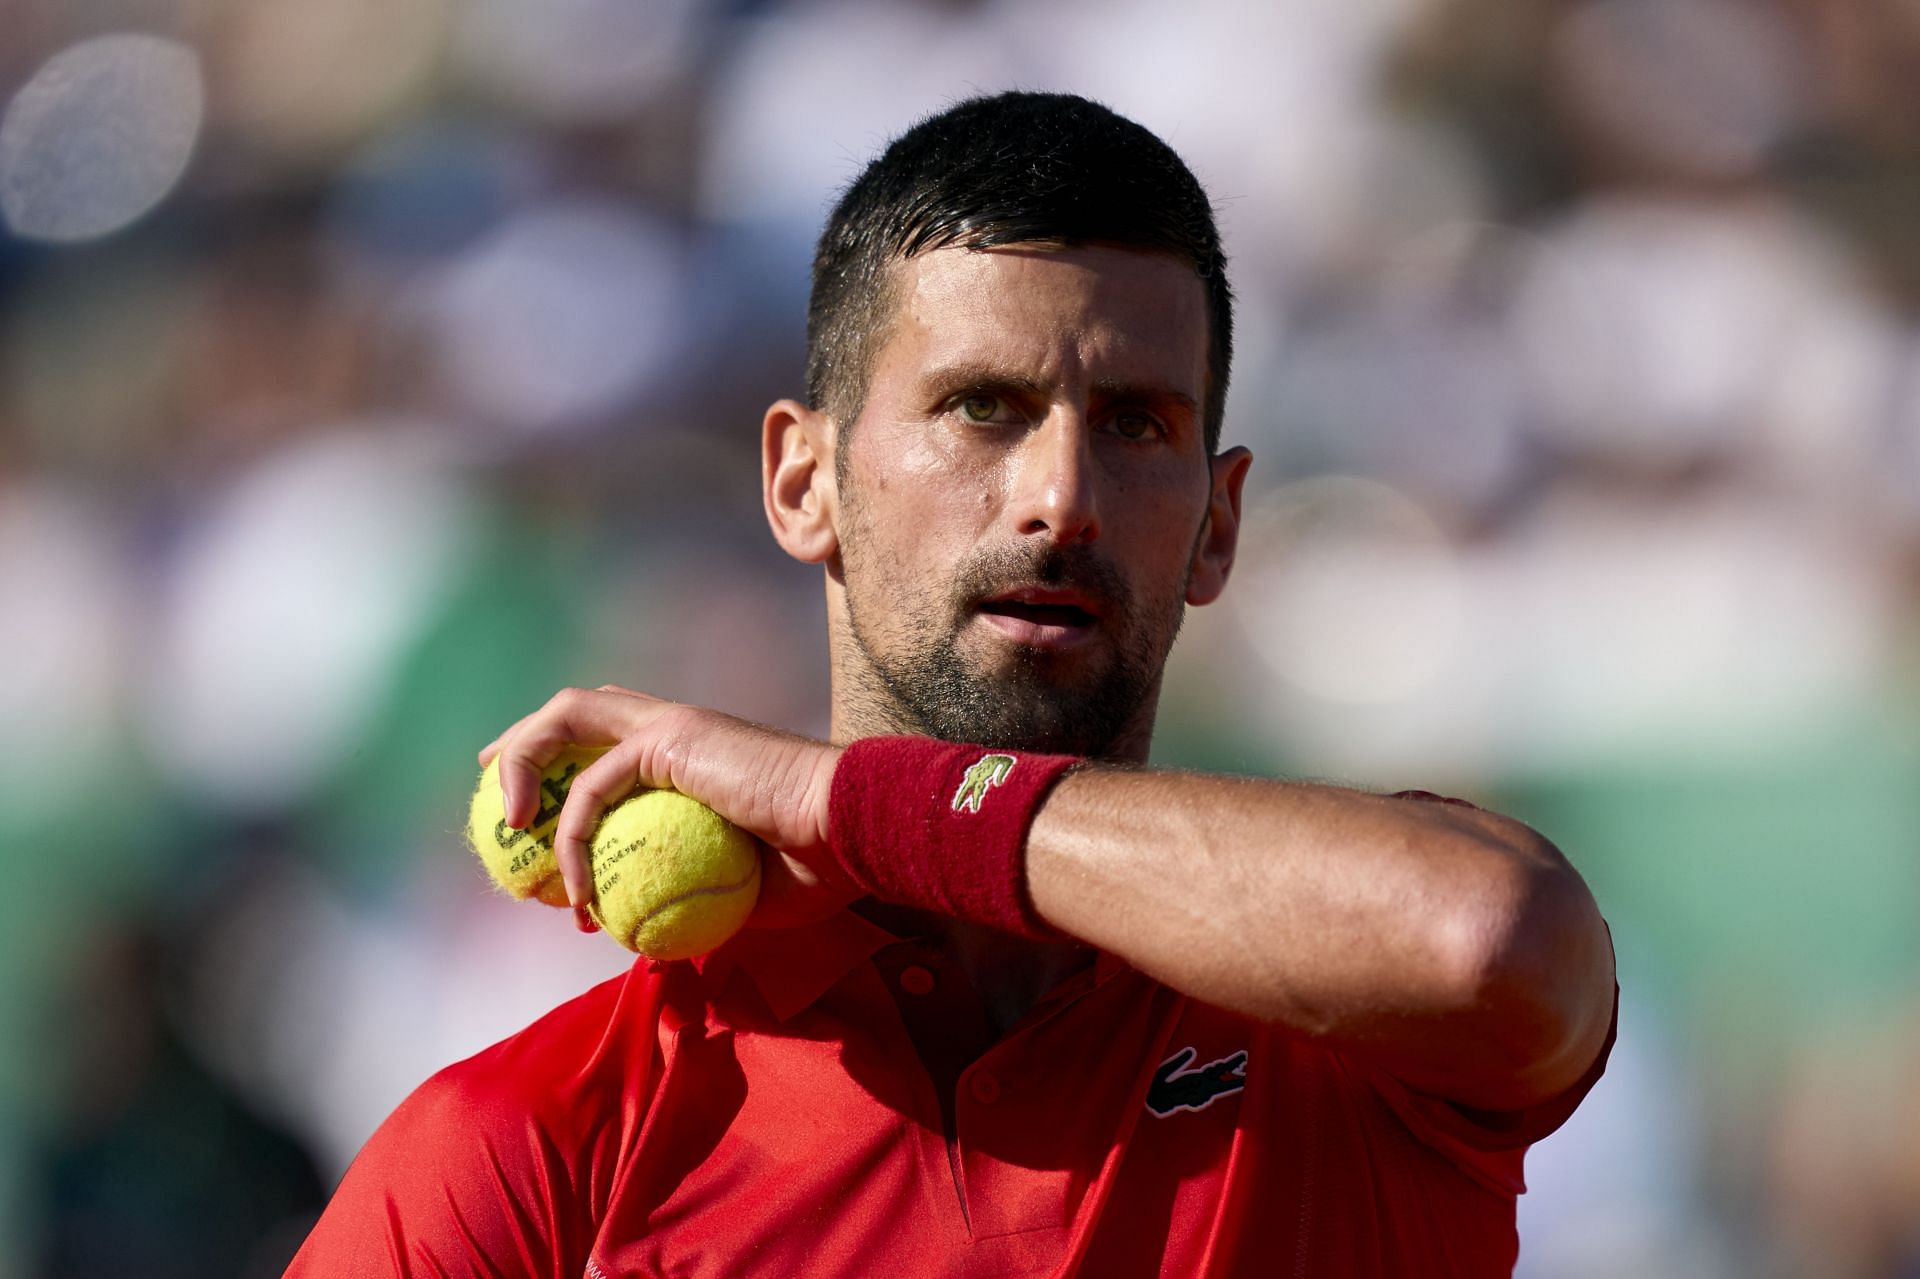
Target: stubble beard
(1039,700)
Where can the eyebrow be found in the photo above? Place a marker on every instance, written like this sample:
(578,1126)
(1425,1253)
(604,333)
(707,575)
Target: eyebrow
(950,379)
(1140,393)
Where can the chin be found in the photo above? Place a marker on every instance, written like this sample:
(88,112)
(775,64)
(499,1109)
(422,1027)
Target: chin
(1040,719)
(1087,699)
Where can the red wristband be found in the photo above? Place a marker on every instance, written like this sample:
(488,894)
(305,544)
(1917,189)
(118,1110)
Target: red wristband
(942,827)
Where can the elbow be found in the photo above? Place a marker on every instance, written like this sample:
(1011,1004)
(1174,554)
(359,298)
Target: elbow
(1530,965)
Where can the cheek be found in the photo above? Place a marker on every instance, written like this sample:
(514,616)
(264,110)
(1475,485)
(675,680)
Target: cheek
(908,539)
(928,487)
(1157,545)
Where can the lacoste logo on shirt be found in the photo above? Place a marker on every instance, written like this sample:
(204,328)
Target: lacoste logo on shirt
(987,772)
(1177,1088)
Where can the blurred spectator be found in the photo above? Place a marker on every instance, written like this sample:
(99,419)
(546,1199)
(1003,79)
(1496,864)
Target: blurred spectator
(370,370)
(158,1168)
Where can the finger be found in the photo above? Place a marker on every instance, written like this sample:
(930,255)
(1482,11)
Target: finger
(509,771)
(492,748)
(595,789)
(571,717)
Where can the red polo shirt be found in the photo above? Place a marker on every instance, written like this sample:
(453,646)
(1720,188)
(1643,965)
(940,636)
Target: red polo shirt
(815,1102)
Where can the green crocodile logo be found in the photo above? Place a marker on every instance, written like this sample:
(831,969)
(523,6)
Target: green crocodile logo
(989,771)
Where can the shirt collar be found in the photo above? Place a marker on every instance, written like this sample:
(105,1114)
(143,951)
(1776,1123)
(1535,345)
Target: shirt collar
(793,967)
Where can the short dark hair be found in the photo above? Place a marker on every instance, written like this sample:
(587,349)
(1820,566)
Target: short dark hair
(1014,168)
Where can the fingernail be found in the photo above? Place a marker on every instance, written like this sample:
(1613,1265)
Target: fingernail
(583,921)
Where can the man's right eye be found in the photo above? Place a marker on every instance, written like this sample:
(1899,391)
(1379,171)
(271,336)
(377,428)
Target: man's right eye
(980,408)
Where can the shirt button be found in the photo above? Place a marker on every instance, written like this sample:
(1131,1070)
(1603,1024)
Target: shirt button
(985,1088)
(916,980)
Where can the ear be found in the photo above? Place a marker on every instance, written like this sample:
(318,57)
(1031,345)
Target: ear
(1220,536)
(796,481)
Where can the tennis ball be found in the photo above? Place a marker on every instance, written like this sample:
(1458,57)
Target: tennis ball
(521,861)
(672,878)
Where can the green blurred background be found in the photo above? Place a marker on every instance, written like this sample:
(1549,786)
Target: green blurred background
(371,369)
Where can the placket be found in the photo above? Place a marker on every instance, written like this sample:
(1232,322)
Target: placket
(945,1026)
(1024,1131)
(1044,1117)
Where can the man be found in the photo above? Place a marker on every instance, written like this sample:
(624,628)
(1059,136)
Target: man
(1017,1005)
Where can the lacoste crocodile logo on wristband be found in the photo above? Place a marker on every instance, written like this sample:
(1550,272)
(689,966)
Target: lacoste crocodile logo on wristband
(989,771)
(1177,1088)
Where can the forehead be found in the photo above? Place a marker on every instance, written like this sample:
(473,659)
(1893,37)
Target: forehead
(1051,314)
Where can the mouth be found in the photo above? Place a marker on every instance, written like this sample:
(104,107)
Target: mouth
(1041,617)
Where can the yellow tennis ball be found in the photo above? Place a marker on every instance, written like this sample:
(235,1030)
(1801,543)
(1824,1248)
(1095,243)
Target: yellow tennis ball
(672,878)
(521,861)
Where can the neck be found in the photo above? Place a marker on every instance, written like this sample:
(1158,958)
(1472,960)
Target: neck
(1010,974)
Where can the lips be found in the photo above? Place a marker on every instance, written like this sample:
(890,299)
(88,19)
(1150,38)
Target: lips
(1042,616)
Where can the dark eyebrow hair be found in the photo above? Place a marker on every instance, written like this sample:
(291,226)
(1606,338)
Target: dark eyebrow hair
(951,379)
(1145,394)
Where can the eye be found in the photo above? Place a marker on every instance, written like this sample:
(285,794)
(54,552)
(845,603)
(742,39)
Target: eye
(980,408)
(1132,424)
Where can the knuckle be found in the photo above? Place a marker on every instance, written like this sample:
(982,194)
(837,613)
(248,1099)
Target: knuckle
(675,751)
(588,792)
(677,730)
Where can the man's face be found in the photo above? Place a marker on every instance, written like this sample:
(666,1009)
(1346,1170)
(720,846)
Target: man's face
(1023,494)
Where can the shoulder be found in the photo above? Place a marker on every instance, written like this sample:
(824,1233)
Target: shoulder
(559,1076)
(506,1154)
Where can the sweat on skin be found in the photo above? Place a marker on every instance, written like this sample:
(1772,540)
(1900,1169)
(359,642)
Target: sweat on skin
(1454,947)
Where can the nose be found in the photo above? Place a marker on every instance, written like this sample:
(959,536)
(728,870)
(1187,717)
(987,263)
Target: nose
(1053,482)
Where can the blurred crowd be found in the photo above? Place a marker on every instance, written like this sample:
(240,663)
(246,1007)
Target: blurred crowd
(371,369)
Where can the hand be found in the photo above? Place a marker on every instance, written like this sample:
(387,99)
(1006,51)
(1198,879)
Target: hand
(771,784)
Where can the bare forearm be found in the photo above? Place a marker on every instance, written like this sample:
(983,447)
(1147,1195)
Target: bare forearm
(1456,947)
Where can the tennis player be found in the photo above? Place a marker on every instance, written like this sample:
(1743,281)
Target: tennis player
(1015,1003)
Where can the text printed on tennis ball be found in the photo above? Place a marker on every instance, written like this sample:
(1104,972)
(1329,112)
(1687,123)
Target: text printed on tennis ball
(606,863)
(554,789)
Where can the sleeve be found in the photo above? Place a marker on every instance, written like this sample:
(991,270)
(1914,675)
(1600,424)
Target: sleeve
(445,1188)
(1491,1145)
(497,1165)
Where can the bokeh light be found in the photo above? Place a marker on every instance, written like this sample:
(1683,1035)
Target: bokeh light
(98,136)
(371,369)
(289,594)
(561,314)
(1356,596)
